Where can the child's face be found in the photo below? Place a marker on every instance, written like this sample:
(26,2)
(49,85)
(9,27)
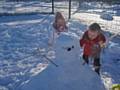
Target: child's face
(60,24)
(92,34)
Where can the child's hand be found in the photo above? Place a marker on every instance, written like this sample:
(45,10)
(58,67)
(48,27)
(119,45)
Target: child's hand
(83,46)
(102,44)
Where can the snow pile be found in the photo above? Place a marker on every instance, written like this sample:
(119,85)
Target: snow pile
(70,73)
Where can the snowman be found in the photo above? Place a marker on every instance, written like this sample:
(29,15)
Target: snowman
(70,74)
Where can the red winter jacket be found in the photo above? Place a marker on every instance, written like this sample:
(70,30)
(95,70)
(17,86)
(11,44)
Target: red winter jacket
(88,44)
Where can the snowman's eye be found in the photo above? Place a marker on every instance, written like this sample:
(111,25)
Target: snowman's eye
(69,49)
(72,46)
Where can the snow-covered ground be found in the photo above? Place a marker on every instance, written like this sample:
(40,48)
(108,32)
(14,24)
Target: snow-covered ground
(88,18)
(19,40)
(21,35)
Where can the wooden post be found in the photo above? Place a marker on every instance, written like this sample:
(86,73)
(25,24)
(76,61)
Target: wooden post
(52,6)
(69,9)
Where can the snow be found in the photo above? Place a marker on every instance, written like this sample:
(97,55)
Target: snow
(70,73)
(23,7)
(106,16)
(107,25)
(3,88)
(19,41)
(21,65)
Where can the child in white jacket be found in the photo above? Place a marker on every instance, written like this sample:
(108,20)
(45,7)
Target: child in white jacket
(59,25)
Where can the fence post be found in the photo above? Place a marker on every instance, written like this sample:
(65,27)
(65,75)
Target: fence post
(69,9)
(52,6)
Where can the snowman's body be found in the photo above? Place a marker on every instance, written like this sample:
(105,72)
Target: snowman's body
(70,73)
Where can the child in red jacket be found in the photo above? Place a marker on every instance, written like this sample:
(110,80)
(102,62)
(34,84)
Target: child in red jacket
(92,42)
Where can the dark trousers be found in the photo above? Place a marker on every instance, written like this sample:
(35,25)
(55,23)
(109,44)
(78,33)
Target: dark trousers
(96,63)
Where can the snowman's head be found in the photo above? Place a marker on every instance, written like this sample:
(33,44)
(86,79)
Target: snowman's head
(66,42)
(67,45)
